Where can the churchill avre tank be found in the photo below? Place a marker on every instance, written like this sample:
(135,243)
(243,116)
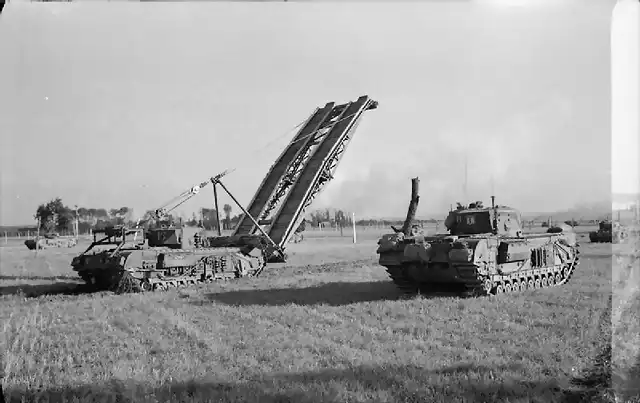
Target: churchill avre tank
(484,252)
(125,259)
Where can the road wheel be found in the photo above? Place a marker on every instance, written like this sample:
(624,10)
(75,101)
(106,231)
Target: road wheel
(507,288)
(145,285)
(545,281)
(538,283)
(488,286)
(531,284)
(500,289)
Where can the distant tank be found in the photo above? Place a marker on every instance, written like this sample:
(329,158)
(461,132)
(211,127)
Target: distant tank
(485,252)
(51,240)
(604,232)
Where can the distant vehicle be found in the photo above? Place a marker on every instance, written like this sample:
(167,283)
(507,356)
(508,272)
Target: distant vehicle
(603,234)
(51,240)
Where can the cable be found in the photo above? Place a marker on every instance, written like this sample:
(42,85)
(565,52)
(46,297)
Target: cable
(194,190)
(326,129)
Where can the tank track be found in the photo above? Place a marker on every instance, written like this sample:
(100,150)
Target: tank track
(602,239)
(479,287)
(123,281)
(127,283)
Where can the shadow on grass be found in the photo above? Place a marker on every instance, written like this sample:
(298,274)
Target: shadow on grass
(465,382)
(293,268)
(596,254)
(31,277)
(334,294)
(39,290)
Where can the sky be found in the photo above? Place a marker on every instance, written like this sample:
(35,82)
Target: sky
(110,105)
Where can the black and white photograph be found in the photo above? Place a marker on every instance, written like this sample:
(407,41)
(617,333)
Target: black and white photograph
(316,201)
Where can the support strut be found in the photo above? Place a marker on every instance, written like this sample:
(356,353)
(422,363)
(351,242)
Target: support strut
(215,199)
(216,181)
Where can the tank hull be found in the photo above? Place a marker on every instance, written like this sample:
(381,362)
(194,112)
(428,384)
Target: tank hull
(601,236)
(478,265)
(157,269)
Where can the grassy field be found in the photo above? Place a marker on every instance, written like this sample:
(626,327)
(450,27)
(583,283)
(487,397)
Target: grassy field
(328,326)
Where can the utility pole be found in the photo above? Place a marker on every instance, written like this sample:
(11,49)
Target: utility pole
(215,198)
(353,223)
(37,236)
(77,227)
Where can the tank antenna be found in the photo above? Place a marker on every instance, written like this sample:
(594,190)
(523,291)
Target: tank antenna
(466,170)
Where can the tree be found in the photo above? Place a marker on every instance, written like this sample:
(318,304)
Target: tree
(83,213)
(120,216)
(54,216)
(46,217)
(209,218)
(342,220)
(193,221)
(302,227)
(227,216)
(317,217)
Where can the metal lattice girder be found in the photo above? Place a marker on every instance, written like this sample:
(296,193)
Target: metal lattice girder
(275,180)
(318,169)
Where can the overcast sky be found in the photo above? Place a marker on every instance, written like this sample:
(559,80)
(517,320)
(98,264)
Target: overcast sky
(109,105)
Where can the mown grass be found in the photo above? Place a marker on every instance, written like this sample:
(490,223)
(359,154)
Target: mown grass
(328,327)
(625,319)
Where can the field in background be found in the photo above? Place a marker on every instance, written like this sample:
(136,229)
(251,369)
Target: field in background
(328,326)
(362,232)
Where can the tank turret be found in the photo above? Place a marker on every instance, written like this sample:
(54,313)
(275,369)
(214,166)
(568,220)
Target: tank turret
(476,219)
(165,234)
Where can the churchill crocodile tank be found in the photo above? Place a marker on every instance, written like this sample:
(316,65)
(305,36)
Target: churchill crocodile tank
(485,252)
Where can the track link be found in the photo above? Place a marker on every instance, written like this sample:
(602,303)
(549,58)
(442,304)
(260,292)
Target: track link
(124,282)
(479,287)
(402,280)
(129,284)
(155,275)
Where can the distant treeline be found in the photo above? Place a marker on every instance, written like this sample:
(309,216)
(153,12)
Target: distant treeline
(55,216)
